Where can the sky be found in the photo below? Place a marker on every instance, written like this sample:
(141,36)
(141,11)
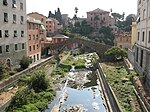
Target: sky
(68,6)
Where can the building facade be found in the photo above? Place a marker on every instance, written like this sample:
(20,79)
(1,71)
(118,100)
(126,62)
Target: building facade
(13,30)
(65,20)
(53,26)
(131,50)
(34,34)
(142,46)
(98,18)
(50,26)
(123,40)
(42,18)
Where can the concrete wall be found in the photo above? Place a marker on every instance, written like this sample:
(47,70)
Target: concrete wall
(115,107)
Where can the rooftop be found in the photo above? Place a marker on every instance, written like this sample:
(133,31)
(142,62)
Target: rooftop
(60,36)
(33,20)
(99,10)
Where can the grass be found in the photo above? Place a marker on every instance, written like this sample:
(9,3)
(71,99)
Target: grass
(117,76)
(79,64)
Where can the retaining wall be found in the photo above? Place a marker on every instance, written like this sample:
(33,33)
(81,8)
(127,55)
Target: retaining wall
(14,79)
(115,107)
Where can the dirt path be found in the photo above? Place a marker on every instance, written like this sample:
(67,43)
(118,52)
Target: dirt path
(7,95)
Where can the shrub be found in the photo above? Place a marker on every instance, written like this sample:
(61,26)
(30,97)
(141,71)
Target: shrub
(12,72)
(2,68)
(115,53)
(24,62)
(40,81)
(30,108)
(41,105)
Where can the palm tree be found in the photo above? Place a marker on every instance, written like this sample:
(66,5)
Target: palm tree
(76,10)
(75,16)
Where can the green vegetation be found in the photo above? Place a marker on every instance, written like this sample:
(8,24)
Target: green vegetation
(62,69)
(5,71)
(27,100)
(35,91)
(115,53)
(2,68)
(121,83)
(34,97)
(24,62)
(79,64)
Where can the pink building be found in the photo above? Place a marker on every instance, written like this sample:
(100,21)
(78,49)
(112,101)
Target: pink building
(52,26)
(98,18)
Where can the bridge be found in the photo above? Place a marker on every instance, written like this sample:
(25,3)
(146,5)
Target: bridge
(99,48)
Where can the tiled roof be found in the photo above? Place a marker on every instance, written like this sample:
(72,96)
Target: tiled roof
(98,10)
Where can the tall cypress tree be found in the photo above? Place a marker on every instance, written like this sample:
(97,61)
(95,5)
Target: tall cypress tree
(58,15)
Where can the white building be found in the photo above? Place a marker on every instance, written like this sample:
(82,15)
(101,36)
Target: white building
(13,30)
(142,46)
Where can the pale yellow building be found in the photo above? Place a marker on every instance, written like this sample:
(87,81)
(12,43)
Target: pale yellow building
(131,50)
(123,40)
(133,34)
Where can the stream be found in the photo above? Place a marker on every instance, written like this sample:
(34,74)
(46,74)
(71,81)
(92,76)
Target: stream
(79,93)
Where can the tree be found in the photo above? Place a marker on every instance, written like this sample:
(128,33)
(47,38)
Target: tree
(24,62)
(58,15)
(40,81)
(76,10)
(126,24)
(75,15)
(117,16)
(106,35)
(115,53)
(2,69)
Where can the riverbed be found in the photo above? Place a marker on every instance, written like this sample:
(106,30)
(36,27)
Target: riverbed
(79,92)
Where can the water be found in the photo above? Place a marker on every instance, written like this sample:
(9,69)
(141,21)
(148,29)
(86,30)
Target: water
(83,93)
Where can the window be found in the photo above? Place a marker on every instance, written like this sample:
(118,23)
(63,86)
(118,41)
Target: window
(33,47)
(22,33)
(23,46)
(143,36)
(127,39)
(5,17)
(7,48)
(5,2)
(22,19)
(29,48)
(29,37)
(141,61)
(21,6)
(138,35)
(6,33)
(14,3)
(33,37)
(120,39)
(0,49)
(144,14)
(37,36)
(14,18)
(137,54)
(16,47)
(42,19)
(15,33)
(139,2)
(37,56)
(0,33)
(37,46)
